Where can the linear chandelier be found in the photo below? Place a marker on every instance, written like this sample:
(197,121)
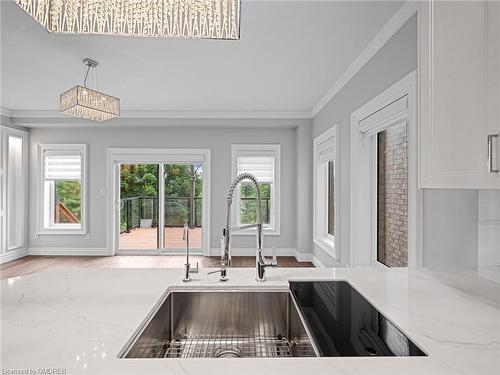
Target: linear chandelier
(209,19)
(90,104)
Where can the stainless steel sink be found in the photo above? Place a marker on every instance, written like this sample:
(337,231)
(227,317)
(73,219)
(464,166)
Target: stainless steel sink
(222,324)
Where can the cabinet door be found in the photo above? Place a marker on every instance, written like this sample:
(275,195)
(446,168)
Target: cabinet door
(455,52)
(493,84)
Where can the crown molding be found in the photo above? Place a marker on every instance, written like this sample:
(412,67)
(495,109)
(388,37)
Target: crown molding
(5,112)
(30,116)
(129,122)
(404,13)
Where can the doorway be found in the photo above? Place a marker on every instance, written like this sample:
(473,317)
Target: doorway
(156,192)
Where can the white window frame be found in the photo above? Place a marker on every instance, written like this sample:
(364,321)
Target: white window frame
(61,229)
(273,229)
(321,236)
(366,122)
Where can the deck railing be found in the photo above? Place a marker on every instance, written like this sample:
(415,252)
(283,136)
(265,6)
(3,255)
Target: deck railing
(177,211)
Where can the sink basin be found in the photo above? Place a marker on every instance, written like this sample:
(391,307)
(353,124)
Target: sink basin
(222,324)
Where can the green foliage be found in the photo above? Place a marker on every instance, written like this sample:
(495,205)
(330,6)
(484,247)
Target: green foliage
(248,202)
(139,180)
(178,180)
(68,193)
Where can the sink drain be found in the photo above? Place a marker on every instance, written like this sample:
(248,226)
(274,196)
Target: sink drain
(227,352)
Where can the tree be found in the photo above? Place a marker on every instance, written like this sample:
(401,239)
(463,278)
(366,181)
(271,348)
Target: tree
(248,203)
(68,193)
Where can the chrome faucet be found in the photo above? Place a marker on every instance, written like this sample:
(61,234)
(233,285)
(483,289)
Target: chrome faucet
(261,263)
(187,267)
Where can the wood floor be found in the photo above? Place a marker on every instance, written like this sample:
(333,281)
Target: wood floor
(33,264)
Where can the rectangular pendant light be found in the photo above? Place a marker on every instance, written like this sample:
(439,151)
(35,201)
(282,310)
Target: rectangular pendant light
(90,104)
(210,19)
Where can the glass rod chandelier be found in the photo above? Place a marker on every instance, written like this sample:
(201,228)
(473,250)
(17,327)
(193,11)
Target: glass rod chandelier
(83,102)
(210,19)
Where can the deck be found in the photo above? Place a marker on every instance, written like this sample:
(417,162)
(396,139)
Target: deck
(146,238)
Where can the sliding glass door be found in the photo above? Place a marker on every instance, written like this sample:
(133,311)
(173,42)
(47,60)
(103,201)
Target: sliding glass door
(183,204)
(139,191)
(163,195)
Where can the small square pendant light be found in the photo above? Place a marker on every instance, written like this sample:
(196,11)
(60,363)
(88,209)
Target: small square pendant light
(80,101)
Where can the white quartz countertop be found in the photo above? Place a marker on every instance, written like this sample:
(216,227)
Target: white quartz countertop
(76,321)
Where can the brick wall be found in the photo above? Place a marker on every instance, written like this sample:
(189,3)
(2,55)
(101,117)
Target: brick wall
(392,196)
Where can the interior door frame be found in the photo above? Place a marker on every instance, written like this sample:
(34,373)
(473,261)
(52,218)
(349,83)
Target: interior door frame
(117,156)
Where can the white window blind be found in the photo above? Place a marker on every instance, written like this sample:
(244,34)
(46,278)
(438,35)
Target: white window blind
(66,166)
(393,114)
(262,167)
(326,150)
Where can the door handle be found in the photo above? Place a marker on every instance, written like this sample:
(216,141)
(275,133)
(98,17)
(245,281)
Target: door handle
(491,169)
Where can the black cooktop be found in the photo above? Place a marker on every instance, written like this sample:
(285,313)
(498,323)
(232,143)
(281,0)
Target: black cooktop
(344,324)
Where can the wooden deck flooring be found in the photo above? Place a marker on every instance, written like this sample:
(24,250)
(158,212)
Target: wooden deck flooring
(146,238)
(33,264)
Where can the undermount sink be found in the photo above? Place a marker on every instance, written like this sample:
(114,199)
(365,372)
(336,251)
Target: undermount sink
(222,324)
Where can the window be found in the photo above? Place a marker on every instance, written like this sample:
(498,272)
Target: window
(392,196)
(331,198)
(63,189)
(325,191)
(13,192)
(262,161)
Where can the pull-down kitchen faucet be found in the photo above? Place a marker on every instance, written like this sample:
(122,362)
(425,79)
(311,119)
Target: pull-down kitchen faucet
(261,263)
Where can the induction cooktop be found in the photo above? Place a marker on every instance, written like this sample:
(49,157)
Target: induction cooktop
(344,324)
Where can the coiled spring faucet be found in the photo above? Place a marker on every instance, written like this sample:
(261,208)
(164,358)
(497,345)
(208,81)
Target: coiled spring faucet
(261,263)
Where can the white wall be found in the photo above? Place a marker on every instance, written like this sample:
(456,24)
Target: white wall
(450,226)
(394,61)
(218,139)
(489,234)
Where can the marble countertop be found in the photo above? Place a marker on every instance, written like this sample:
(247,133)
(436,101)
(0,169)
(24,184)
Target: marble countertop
(76,321)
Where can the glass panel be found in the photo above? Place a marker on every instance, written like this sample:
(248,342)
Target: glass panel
(248,202)
(67,202)
(183,204)
(139,206)
(392,196)
(331,198)
(15,193)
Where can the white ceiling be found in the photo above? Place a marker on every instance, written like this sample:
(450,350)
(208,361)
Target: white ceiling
(289,55)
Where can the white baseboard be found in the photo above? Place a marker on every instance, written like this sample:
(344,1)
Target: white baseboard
(13,255)
(309,257)
(69,251)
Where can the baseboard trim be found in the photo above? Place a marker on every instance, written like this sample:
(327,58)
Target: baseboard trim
(309,257)
(13,255)
(69,251)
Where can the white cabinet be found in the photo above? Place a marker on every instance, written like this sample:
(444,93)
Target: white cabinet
(459,94)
